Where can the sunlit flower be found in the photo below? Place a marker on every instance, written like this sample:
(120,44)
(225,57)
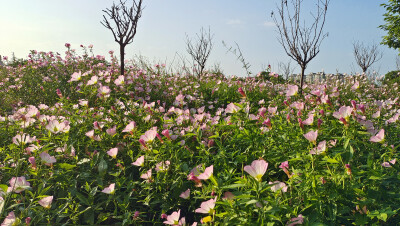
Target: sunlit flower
(311,136)
(147,175)
(185,194)
(321,148)
(111,131)
(55,126)
(232,108)
(296,220)
(130,127)
(46,202)
(21,139)
(162,166)
(18,184)
(292,90)
(389,164)
(110,189)
(240,90)
(207,173)
(113,152)
(277,185)
(173,219)
(47,159)
(10,220)
(379,137)
(76,76)
(343,112)
(257,169)
(207,207)
(139,161)
(149,135)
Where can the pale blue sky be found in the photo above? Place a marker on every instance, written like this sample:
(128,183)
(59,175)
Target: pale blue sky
(45,25)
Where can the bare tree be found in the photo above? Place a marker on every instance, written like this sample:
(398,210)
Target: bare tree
(125,19)
(301,43)
(286,69)
(366,55)
(200,50)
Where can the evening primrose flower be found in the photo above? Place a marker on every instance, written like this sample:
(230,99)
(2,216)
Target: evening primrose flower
(379,137)
(232,108)
(56,127)
(10,219)
(173,219)
(130,127)
(21,139)
(113,152)
(296,220)
(311,136)
(389,164)
(207,207)
(207,173)
(321,148)
(139,161)
(18,184)
(277,185)
(292,90)
(110,189)
(47,159)
(46,202)
(257,169)
(185,194)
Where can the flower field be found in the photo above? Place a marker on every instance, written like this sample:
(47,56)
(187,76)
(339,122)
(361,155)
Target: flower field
(81,144)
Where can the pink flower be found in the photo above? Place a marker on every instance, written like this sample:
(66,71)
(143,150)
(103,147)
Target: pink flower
(48,159)
(355,86)
(277,185)
(207,173)
(46,202)
(309,120)
(173,219)
(389,164)
(292,90)
(257,169)
(113,152)
(130,127)
(162,166)
(91,135)
(240,90)
(76,76)
(147,175)
(149,136)
(311,136)
(32,161)
(9,220)
(18,184)
(379,137)
(232,108)
(21,139)
(343,112)
(111,131)
(228,195)
(139,161)
(55,126)
(321,148)
(185,194)
(166,134)
(110,189)
(207,207)
(284,165)
(295,221)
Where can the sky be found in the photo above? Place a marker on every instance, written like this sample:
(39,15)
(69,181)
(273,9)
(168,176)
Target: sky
(46,25)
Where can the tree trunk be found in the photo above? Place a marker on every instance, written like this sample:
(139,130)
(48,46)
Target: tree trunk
(302,80)
(122,57)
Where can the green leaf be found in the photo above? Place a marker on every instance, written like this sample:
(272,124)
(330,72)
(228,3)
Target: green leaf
(251,202)
(233,186)
(66,166)
(3,187)
(82,198)
(102,167)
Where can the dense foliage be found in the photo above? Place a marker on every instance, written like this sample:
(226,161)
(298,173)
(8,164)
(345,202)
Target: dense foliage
(81,144)
(392,26)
